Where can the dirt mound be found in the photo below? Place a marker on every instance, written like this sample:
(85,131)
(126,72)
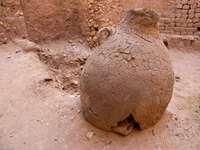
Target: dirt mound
(65,67)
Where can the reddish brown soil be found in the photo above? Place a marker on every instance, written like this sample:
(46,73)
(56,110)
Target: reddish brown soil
(65,64)
(11,20)
(36,115)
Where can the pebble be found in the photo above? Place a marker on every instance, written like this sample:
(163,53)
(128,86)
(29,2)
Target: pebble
(48,79)
(70,41)
(177,78)
(72,118)
(17,52)
(75,82)
(55,140)
(153,132)
(108,142)
(89,135)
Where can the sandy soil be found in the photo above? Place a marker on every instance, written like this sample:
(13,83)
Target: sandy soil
(36,115)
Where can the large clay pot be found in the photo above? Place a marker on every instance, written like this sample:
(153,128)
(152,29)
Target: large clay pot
(129,79)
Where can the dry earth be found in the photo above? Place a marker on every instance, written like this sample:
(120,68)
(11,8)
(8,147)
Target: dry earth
(36,115)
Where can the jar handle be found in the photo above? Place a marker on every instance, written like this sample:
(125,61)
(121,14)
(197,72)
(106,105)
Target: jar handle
(104,33)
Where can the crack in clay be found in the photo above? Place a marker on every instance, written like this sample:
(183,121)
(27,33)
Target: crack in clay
(142,38)
(126,126)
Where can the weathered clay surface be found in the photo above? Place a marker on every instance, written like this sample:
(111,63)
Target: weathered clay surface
(51,19)
(128,76)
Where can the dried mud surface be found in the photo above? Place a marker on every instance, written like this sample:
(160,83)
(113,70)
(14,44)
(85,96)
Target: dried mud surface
(35,114)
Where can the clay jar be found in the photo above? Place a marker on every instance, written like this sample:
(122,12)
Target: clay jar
(128,81)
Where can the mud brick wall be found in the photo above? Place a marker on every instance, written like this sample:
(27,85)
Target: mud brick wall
(55,19)
(178,17)
(184,20)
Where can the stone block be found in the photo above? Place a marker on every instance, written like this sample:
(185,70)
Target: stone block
(186,7)
(197,10)
(197,15)
(179,5)
(184,2)
(184,12)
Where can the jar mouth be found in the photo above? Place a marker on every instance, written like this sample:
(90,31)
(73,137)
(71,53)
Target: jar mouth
(141,20)
(142,16)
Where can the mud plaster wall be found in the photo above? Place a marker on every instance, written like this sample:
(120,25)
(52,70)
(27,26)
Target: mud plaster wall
(11,20)
(51,19)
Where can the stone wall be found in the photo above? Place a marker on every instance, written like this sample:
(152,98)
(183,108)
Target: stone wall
(184,19)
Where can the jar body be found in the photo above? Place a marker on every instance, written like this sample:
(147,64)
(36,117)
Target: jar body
(128,75)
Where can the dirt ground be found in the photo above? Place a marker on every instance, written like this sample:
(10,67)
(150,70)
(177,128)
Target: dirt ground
(37,115)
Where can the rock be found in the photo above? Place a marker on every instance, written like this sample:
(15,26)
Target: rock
(108,142)
(89,135)
(48,79)
(74,83)
(114,89)
(153,132)
(124,129)
(56,140)
(3,38)
(177,78)
(19,13)
(17,52)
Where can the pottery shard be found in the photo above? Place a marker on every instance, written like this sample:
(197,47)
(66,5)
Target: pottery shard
(51,19)
(136,86)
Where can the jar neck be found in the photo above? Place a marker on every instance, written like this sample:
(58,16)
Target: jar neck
(141,21)
(142,30)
